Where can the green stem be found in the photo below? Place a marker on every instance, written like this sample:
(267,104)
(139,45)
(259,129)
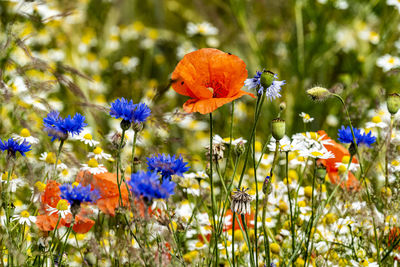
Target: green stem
(290,202)
(215,241)
(389,137)
(362,174)
(65,243)
(310,234)
(228,157)
(133,152)
(257,198)
(118,165)
(57,157)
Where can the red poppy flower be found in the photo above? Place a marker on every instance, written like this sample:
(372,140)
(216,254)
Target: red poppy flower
(211,78)
(107,185)
(330,164)
(48,222)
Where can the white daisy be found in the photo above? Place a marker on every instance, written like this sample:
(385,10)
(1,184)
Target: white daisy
(86,137)
(388,62)
(285,145)
(219,140)
(99,154)
(306,117)
(25,135)
(317,153)
(204,28)
(93,167)
(394,3)
(24,217)
(62,209)
(376,122)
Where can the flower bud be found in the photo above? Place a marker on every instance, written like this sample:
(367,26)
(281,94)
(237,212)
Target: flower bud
(267,78)
(267,188)
(278,128)
(318,93)
(282,106)
(320,174)
(125,125)
(393,103)
(239,149)
(352,149)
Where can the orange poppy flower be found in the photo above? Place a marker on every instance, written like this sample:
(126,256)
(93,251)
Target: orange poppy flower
(339,151)
(48,222)
(394,235)
(107,185)
(211,78)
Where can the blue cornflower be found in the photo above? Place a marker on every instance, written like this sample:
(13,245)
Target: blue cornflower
(346,137)
(141,113)
(167,165)
(122,109)
(13,147)
(76,194)
(58,127)
(148,185)
(272,91)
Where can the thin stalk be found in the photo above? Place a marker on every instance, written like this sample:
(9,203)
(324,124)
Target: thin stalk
(312,214)
(133,152)
(257,197)
(362,173)
(228,157)
(247,151)
(65,242)
(290,202)
(118,165)
(247,237)
(215,241)
(57,157)
(389,137)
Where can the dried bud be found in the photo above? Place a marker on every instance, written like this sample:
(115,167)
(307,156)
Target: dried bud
(217,151)
(393,103)
(278,128)
(318,93)
(125,125)
(239,149)
(137,127)
(116,140)
(241,201)
(267,189)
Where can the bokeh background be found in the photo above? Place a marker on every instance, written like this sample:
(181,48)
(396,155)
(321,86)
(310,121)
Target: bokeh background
(78,56)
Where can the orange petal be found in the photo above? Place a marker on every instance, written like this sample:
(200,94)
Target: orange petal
(51,194)
(82,224)
(205,106)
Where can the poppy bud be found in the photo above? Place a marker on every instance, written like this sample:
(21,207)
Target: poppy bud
(125,125)
(282,106)
(393,103)
(320,174)
(278,128)
(267,78)
(267,189)
(318,93)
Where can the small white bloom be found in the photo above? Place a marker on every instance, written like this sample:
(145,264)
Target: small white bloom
(204,28)
(98,154)
(306,117)
(24,217)
(62,213)
(316,153)
(388,62)
(93,167)
(25,135)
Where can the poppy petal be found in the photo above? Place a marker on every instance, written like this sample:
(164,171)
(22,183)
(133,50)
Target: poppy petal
(205,106)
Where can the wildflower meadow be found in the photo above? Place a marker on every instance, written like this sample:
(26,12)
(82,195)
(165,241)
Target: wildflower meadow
(200,133)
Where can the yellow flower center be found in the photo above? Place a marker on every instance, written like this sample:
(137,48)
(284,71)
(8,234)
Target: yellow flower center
(88,136)
(342,168)
(307,117)
(64,172)
(391,60)
(40,186)
(395,163)
(97,150)
(25,214)
(199,244)
(317,154)
(346,159)
(62,204)
(75,184)
(92,163)
(25,133)
(50,158)
(376,119)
